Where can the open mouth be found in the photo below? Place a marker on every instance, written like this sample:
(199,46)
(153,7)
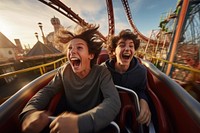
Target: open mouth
(126,56)
(75,61)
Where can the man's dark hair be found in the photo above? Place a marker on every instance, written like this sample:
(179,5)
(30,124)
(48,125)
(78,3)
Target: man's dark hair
(89,35)
(124,34)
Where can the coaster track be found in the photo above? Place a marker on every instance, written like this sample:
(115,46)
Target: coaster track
(130,20)
(66,11)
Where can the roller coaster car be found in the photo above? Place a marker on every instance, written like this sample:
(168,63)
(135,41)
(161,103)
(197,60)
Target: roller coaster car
(175,110)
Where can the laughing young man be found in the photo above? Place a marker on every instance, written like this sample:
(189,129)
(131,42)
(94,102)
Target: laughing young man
(126,70)
(92,100)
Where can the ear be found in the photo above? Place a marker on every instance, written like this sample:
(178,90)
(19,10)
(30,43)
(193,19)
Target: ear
(91,56)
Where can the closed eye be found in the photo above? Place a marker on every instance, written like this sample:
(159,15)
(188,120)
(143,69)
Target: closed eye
(131,46)
(122,44)
(79,48)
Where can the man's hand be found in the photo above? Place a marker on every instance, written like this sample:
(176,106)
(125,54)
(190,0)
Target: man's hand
(35,122)
(145,113)
(65,123)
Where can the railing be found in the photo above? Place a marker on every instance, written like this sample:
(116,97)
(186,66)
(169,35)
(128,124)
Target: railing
(156,59)
(64,59)
(40,67)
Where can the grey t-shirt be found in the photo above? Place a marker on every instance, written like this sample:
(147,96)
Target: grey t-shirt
(94,98)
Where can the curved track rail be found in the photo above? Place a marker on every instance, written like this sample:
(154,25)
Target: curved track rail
(111,20)
(130,20)
(66,11)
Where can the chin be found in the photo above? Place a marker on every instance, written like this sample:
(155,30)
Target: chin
(75,70)
(126,61)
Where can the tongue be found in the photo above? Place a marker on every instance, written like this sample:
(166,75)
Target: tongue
(76,63)
(126,57)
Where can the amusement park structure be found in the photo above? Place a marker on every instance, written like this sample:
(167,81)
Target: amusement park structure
(173,27)
(172,58)
(176,42)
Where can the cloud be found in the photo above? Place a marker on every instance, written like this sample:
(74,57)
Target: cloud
(29,13)
(152,6)
(21,17)
(86,7)
(93,11)
(136,5)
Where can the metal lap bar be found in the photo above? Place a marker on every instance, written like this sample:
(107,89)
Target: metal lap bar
(116,126)
(136,101)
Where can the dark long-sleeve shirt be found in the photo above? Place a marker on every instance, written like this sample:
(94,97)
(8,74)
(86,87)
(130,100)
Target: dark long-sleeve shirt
(134,78)
(94,98)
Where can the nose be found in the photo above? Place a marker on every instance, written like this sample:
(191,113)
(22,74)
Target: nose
(72,50)
(127,48)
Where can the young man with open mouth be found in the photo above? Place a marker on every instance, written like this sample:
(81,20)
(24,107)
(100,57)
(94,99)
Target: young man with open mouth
(92,100)
(126,70)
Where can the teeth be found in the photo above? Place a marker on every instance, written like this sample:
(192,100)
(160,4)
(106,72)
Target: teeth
(126,54)
(74,58)
(75,61)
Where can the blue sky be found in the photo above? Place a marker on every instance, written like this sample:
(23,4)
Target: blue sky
(19,18)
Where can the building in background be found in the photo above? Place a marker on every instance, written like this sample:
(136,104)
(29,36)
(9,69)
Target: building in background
(7,56)
(41,49)
(51,37)
(7,49)
(19,48)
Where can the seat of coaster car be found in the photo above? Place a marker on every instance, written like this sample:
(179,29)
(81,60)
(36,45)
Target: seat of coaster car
(103,56)
(125,122)
(164,93)
(157,109)
(158,86)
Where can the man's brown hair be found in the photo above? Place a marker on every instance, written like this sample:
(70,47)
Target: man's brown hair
(89,35)
(124,34)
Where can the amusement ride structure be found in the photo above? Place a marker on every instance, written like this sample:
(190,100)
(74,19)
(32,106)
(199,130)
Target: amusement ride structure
(166,47)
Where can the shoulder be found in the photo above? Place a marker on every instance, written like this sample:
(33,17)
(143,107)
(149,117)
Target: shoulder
(105,63)
(108,64)
(64,67)
(138,62)
(139,66)
(101,69)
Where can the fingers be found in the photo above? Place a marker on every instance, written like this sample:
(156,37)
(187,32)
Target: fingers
(35,121)
(148,121)
(144,117)
(145,114)
(54,126)
(65,122)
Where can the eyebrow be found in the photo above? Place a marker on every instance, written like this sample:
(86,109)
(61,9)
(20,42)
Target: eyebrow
(123,41)
(79,43)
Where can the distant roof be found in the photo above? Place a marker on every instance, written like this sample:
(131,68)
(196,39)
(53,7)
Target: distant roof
(53,49)
(42,49)
(5,42)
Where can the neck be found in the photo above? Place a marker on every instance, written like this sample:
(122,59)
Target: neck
(84,73)
(121,68)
